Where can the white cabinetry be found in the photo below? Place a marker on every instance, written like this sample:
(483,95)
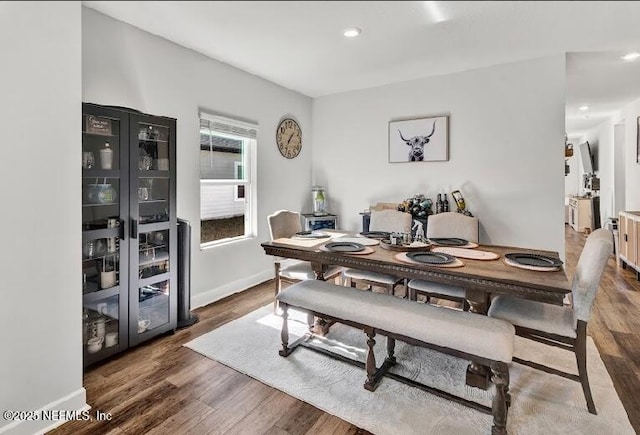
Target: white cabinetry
(580,213)
(629,243)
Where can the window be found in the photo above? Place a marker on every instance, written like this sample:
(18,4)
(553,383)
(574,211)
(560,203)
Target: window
(227,177)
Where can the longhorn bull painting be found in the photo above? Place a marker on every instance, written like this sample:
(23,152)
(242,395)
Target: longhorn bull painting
(419,140)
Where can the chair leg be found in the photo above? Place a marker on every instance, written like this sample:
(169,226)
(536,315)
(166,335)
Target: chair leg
(277,285)
(581,360)
(391,289)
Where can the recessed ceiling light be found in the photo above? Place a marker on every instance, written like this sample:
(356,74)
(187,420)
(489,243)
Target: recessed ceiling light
(352,32)
(583,108)
(630,56)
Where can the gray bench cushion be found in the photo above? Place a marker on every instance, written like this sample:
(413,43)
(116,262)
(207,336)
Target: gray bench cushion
(467,332)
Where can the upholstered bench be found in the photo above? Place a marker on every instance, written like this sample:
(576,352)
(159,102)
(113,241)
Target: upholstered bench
(462,334)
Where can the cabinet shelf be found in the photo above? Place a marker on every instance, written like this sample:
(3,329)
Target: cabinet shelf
(159,256)
(100,173)
(112,204)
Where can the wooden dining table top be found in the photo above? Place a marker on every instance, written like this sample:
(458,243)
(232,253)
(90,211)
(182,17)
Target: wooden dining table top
(490,276)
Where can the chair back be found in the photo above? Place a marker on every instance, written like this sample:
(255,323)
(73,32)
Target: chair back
(284,223)
(591,264)
(392,221)
(452,224)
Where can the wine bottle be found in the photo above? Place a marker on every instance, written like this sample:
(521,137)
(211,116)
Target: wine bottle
(439,204)
(445,205)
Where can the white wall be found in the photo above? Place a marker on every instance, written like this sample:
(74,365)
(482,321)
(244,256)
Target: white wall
(40,263)
(125,66)
(506,148)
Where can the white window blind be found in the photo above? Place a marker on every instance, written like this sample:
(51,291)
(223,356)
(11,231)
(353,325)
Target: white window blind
(230,126)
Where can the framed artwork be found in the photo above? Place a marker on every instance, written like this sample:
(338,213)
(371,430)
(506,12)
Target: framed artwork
(419,140)
(638,142)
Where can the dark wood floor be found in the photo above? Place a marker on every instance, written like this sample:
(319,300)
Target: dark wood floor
(162,387)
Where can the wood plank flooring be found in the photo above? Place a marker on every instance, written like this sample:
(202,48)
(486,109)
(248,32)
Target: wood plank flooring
(162,387)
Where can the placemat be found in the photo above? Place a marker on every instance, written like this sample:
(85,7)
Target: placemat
(526,266)
(304,243)
(469,245)
(365,251)
(402,257)
(471,254)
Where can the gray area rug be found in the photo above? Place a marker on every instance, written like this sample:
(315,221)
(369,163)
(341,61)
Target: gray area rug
(541,403)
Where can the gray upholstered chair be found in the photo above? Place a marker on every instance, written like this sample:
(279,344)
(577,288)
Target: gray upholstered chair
(562,326)
(284,224)
(392,221)
(443,225)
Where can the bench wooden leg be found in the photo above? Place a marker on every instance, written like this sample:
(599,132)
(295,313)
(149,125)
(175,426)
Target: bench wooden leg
(391,348)
(371,361)
(500,376)
(284,334)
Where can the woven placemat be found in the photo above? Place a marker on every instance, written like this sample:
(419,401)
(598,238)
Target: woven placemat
(526,266)
(471,254)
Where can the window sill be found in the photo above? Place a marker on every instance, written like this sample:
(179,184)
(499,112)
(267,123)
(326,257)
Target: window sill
(224,242)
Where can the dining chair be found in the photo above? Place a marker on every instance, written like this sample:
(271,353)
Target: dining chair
(562,326)
(285,224)
(392,221)
(444,225)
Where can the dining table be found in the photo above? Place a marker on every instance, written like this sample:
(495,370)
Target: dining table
(481,279)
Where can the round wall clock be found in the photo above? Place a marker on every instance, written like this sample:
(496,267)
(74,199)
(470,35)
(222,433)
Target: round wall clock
(289,138)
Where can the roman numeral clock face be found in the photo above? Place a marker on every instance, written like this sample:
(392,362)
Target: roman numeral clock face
(289,138)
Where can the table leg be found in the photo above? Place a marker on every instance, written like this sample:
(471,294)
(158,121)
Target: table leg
(321,326)
(477,374)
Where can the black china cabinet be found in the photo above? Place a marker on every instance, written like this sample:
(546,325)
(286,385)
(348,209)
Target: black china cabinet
(129,229)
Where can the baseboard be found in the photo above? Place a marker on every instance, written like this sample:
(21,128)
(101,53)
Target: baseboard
(44,420)
(202,299)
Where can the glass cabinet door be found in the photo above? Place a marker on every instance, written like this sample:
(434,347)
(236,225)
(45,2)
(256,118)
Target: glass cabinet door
(104,248)
(154,286)
(153,238)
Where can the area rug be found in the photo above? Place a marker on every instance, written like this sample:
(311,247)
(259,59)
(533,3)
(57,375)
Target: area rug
(541,403)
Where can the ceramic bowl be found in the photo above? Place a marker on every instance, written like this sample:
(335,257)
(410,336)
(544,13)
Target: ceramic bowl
(94,344)
(143,325)
(111,339)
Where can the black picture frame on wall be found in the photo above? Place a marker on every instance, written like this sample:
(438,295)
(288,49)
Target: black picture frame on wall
(638,142)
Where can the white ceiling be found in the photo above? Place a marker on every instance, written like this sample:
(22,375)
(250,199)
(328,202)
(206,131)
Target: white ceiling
(299,45)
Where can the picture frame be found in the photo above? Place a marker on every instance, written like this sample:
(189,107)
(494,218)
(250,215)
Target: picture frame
(638,142)
(419,139)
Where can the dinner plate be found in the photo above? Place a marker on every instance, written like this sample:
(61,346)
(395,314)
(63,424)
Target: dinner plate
(428,257)
(376,234)
(312,235)
(533,259)
(344,247)
(449,241)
